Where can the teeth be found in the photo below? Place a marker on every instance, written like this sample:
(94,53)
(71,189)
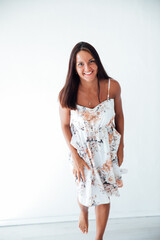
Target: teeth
(88,73)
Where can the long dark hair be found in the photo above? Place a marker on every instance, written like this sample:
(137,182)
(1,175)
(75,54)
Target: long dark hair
(68,94)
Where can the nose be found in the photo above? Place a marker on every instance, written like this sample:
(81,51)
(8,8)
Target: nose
(87,68)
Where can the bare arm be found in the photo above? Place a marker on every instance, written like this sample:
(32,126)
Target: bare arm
(79,163)
(119,117)
(65,125)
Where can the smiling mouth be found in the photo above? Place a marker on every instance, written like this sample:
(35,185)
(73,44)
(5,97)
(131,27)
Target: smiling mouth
(89,73)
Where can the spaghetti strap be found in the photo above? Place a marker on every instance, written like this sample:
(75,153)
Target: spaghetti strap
(108,89)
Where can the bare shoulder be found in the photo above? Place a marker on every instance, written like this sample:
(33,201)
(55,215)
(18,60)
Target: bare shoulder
(115,87)
(64,115)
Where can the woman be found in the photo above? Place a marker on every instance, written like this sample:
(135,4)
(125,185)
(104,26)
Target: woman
(93,125)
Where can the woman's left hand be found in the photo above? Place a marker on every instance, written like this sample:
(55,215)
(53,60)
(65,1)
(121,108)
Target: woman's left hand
(120,155)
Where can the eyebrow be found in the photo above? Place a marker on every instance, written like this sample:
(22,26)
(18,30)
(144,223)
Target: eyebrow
(89,60)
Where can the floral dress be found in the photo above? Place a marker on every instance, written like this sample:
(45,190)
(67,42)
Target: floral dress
(97,141)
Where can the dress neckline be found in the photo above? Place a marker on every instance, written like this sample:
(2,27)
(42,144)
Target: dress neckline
(95,106)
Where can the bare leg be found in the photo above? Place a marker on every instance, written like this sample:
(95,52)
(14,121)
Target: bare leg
(83,218)
(102,213)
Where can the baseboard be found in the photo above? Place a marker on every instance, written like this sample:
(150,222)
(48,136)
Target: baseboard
(68,218)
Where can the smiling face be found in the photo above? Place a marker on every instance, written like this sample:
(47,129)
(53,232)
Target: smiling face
(86,66)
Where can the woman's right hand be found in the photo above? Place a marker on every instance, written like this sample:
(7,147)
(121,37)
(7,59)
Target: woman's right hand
(78,167)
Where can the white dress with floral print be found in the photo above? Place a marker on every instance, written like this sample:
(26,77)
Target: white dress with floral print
(96,139)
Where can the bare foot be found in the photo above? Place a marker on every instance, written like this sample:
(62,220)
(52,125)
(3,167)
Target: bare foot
(83,221)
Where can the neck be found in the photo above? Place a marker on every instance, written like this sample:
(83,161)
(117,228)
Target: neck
(89,86)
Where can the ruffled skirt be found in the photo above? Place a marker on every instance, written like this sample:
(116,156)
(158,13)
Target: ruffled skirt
(99,151)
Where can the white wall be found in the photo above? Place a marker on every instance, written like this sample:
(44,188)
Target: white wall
(36,182)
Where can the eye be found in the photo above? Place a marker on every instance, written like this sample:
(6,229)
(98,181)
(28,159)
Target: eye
(80,64)
(92,61)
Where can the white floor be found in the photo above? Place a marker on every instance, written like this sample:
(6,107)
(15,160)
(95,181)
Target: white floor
(141,228)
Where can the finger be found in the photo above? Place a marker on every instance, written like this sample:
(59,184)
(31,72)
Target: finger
(75,173)
(78,176)
(83,176)
(87,165)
